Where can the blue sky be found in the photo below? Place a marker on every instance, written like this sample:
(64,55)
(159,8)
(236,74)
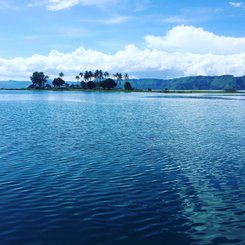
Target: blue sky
(74,35)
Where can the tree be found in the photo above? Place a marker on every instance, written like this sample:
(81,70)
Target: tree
(91,85)
(90,75)
(31,86)
(108,84)
(77,78)
(127,86)
(58,82)
(115,75)
(81,77)
(86,76)
(118,76)
(39,79)
(96,74)
(101,75)
(126,77)
(106,74)
(83,84)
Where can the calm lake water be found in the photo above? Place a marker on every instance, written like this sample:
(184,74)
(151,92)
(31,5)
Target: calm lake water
(121,168)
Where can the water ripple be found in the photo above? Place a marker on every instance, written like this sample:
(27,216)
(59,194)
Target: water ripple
(121,168)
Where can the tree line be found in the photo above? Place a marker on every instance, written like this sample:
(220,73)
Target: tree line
(85,80)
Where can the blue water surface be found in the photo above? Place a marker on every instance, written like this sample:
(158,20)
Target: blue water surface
(121,168)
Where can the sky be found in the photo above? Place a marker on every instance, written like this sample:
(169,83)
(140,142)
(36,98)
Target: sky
(145,38)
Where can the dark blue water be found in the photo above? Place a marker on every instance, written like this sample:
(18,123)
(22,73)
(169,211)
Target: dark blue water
(121,168)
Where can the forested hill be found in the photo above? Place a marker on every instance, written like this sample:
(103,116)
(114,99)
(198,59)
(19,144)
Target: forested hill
(14,84)
(227,82)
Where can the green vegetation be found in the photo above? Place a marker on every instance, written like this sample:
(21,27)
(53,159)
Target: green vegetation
(85,80)
(99,80)
(39,80)
(58,82)
(108,84)
(225,82)
(127,86)
(91,85)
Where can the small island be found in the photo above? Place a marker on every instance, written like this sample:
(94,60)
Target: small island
(88,80)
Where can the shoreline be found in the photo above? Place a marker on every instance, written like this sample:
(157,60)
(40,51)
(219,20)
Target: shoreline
(128,91)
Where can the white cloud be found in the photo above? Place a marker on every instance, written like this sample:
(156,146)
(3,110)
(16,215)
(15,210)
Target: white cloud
(35,4)
(115,20)
(176,20)
(190,58)
(236,4)
(131,59)
(56,5)
(195,40)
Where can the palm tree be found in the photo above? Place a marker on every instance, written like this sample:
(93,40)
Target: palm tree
(118,77)
(81,75)
(101,74)
(126,76)
(86,76)
(91,74)
(96,74)
(106,74)
(77,78)
(61,74)
(115,76)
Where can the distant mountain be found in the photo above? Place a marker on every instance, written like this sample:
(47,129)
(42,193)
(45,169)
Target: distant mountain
(226,82)
(11,84)
(14,84)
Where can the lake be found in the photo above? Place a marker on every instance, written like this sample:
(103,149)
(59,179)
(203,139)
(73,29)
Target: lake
(121,168)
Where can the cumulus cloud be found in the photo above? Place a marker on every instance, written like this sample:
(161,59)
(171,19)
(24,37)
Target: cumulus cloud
(167,55)
(195,40)
(131,59)
(56,5)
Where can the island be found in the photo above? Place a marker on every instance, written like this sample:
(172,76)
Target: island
(100,80)
(87,80)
